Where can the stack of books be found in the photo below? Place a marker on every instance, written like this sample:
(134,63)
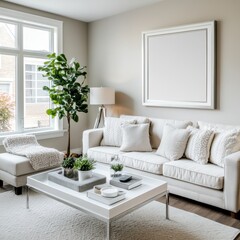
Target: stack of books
(134,182)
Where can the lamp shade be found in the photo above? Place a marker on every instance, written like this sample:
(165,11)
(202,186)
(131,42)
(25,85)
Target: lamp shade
(102,96)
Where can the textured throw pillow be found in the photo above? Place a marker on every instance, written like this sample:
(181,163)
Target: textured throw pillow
(135,137)
(198,146)
(112,133)
(224,144)
(173,142)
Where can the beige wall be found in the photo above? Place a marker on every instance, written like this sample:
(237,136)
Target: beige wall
(115,58)
(113,49)
(74,45)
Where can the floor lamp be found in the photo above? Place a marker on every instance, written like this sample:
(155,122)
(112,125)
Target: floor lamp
(101,96)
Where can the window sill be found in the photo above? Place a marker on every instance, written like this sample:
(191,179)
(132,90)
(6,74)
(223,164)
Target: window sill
(40,135)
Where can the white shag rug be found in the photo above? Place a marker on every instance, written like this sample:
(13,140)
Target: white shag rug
(48,219)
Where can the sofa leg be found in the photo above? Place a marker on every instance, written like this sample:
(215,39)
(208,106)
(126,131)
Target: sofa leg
(1,183)
(235,215)
(18,190)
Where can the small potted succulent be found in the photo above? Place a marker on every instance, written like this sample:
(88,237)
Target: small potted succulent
(68,164)
(116,166)
(84,166)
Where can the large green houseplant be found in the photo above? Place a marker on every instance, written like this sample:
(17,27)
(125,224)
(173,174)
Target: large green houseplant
(67,94)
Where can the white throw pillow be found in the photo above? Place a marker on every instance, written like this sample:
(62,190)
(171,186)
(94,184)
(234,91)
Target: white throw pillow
(135,137)
(173,142)
(112,132)
(224,144)
(198,146)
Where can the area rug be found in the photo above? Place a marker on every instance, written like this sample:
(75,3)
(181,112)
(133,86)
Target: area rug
(48,219)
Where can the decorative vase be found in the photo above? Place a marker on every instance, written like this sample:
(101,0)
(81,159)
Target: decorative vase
(68,172)
(83,175)
(117,174)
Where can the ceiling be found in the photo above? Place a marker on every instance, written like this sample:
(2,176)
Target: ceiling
(85,10)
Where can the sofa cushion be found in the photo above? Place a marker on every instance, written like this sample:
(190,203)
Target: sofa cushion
(15,165)
(226,141)
(198,146)
(157,126)
(173,142)
(138,119)
(103,153)
(145,161)
(135,137)
(112,132)
(216,126)
(224,144)
(208,175)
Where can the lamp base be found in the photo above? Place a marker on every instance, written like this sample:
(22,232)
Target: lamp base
(101,112)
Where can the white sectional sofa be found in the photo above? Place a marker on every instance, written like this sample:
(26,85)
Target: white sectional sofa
(214,182)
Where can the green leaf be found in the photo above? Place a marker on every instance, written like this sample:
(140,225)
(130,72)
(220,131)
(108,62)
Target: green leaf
(75,118)
(46,88)
(49,111)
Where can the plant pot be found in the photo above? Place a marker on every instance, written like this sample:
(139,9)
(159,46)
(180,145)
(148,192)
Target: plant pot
(116,174)
(68,172)
(83,175)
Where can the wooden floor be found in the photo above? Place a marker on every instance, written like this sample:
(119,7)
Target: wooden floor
(203,210)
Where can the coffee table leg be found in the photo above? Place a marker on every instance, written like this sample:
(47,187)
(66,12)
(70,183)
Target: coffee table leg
(108,230)
(27,203)
(167,202)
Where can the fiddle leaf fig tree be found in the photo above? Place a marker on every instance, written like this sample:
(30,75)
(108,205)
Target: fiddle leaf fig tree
(68,95)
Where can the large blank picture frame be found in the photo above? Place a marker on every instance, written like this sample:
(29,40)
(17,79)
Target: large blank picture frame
(179,66)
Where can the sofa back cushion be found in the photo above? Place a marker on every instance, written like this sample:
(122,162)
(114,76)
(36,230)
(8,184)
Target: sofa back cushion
(157,125)
(198,146)
(138,119)
(112,132)
(173,142)
(226,141)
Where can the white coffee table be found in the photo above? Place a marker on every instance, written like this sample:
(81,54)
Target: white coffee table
(150,190)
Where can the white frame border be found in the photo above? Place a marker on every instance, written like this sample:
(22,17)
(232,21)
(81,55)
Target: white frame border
(210,28)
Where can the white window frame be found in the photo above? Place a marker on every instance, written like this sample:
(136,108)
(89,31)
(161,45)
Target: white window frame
(36,88)
(38,22)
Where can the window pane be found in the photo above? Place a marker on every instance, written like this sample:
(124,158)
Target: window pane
(41,84)
(36,39)
(7,93)
(39,100)
(30,67)
(8,35)
(40,76)
(29,84)
(30,92)
(35,109)
(29,76)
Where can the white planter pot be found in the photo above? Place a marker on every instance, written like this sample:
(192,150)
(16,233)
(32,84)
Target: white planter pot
(82,175)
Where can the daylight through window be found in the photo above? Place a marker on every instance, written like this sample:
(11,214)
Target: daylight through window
(24,45)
